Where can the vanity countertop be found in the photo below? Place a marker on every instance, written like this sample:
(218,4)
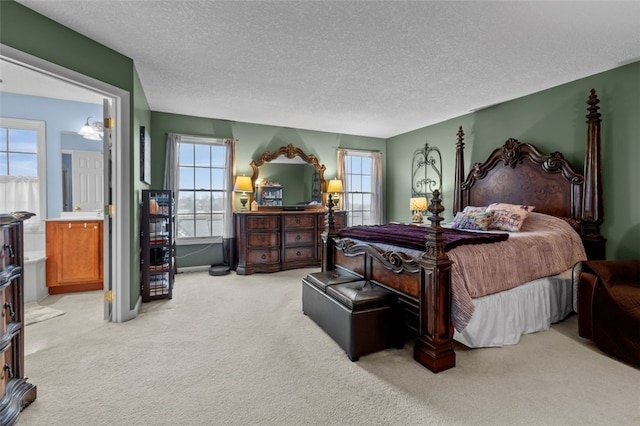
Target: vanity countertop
(77,216)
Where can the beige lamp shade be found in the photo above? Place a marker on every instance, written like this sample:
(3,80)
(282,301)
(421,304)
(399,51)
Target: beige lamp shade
(335,185)
(243,184)
(418,204)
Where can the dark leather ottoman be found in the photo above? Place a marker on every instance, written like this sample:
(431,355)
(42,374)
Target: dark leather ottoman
(359,316)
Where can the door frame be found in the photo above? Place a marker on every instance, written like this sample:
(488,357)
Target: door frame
(120,265)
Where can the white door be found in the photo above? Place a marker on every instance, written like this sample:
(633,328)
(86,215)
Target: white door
(88,181)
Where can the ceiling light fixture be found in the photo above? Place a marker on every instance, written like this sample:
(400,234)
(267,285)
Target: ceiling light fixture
(91,131)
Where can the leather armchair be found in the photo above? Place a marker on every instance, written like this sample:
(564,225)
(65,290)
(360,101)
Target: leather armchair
(608,305)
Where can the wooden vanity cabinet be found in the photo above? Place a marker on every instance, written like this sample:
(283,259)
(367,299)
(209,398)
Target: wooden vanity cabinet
(15,392)
(271,241)
(74,255)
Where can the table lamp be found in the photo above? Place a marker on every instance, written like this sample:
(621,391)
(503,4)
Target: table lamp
(243,184)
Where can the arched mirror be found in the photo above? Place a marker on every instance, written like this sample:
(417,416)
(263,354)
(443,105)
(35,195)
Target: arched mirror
(288,179)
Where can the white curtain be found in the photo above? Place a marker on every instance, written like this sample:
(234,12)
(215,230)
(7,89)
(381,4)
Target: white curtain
(171,163)
(342,175)
(377,199)
(21,193)
(228,185)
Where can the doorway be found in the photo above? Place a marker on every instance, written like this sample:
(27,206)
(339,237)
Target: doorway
(116,170)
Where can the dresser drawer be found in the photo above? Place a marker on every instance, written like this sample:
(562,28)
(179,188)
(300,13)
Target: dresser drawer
(263,239)
(263,222)
(299,253)
(7,368)
(299,221)
(263,256)
(7,250)
(339,220)
(8,308)
(299,237)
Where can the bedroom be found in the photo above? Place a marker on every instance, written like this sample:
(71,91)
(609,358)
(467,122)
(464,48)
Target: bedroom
(546,128)
(486,128)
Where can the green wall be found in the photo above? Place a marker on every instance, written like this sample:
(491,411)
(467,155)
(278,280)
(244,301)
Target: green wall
(25,30)
(553,120)
(252,141)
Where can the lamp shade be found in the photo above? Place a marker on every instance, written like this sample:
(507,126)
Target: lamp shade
(335,185)
(243,184)
(418,203)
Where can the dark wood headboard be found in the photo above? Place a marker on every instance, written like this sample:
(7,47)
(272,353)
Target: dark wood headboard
(518,173)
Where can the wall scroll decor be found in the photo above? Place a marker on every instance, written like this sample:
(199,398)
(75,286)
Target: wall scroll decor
(426,171)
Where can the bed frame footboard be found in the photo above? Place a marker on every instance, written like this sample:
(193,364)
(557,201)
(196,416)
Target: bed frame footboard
(423,284)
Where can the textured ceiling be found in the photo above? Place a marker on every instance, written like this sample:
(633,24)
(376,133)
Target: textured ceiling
(353,67)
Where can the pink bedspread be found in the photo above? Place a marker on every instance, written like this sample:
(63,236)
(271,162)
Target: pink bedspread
(545,246)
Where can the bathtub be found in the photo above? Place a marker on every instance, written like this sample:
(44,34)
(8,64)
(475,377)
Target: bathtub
(35,288)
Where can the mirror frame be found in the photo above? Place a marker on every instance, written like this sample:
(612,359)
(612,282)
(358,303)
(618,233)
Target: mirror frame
(288,151)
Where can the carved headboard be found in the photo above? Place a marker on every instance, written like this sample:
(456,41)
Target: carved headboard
(518,173)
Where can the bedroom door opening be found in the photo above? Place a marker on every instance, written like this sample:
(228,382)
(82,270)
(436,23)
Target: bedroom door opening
(115,104)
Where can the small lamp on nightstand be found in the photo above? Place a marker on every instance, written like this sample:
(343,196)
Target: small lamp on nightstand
(417,206)
(335,186)
(243,184)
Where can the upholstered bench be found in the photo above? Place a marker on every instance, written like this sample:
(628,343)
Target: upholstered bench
(360,316)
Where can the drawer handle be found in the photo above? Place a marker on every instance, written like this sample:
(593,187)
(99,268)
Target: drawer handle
(8,368)
(298,253)
(9,248)
(297,237)
(298,220)
(9,306)
(264,256)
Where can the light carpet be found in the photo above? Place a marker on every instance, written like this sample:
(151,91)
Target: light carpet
(34,312)
(235,350)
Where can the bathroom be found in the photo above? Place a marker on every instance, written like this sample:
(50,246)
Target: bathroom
(33,105)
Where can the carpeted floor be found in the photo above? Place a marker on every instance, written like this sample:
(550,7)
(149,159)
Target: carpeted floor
(238,351)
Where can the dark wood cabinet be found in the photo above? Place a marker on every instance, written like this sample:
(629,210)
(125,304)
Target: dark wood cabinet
(270,241)
(15,392)
(157,245)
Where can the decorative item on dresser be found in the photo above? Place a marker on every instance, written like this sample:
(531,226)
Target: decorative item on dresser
(74,248)
(157,242)
(437,286)
(270,241)
(15,392)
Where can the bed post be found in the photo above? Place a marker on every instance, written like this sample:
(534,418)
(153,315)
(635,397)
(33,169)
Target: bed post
(459,173)
(592,203)
(328,242)
(434,345)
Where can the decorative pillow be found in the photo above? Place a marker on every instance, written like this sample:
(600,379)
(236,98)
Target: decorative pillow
(476,221)
(471,209)
(508,217)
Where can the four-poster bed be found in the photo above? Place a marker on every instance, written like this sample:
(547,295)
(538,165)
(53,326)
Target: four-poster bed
(517,173)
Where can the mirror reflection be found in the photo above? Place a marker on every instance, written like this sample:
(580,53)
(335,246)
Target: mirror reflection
(288,178)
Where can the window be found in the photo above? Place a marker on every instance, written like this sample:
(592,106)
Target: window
(201,190)
(22,164)
(361,176)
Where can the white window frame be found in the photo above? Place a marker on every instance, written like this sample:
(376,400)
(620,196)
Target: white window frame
(348,190)
(182,241)
(40,127)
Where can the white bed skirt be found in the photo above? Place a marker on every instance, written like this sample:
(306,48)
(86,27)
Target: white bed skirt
(500,319)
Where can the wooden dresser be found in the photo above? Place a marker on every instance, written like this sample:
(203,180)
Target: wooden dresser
(272,241)
(15,392)
(74,255)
